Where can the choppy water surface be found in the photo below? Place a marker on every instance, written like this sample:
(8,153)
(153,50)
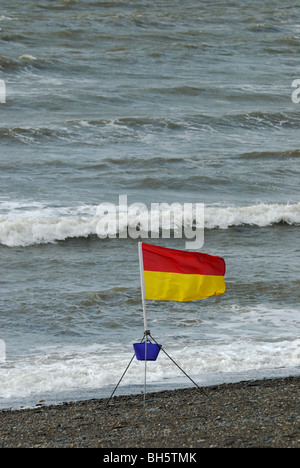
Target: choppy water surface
(186,102)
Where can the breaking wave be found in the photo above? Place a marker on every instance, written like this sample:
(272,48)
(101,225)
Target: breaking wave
(133,128)
(23,224)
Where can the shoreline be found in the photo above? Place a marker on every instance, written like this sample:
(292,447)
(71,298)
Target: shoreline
(252,413)
(207,380)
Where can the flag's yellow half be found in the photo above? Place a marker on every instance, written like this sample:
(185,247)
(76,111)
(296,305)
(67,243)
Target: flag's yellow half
(162,286)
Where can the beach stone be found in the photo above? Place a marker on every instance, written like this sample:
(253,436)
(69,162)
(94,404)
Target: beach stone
(266,414)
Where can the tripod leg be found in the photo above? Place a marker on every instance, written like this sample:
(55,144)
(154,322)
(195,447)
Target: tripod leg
(120,380)
(181,369)
(122,377)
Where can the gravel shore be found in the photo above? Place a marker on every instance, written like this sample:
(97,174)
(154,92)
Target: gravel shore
(262,413)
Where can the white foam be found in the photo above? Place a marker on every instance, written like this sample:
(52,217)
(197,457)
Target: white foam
(24,224)
(65,369)
(27,57)
(244,340)
(257,215)
(28,231)
(5,18)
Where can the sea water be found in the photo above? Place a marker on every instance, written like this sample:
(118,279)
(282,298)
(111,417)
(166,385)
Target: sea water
(161,102)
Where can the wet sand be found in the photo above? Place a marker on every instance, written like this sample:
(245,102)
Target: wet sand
(262,413)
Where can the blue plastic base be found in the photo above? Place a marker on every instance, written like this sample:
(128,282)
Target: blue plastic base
(152,351)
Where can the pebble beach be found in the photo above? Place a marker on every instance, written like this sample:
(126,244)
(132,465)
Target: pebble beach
(249,414)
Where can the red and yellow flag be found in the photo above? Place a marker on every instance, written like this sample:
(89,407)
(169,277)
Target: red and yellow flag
(178,275)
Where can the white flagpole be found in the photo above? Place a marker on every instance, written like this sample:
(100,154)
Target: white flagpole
(145,380)
(143,286)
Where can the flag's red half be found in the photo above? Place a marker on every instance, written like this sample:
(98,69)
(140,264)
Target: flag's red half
(157,258)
